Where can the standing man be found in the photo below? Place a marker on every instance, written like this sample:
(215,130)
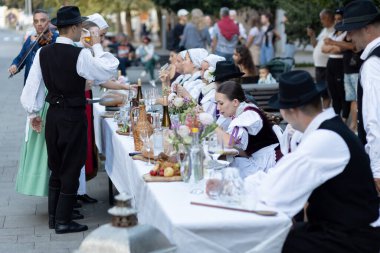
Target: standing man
(226,35)
(329,169)
(320,59)
(361,20)
(41,22)
(64,69)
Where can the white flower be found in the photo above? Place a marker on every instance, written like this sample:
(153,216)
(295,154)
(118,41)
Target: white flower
(183,131)
(171,97)
(209,75)
(178,102)
(206,118)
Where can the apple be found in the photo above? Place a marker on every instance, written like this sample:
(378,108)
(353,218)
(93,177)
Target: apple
(153,173)
(168,172)
(161,173)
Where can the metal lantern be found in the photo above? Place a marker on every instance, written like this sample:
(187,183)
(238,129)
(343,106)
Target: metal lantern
(124,234)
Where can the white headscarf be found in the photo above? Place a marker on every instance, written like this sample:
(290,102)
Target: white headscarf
(183,54)
(197,55)
(98,20)
(212,59)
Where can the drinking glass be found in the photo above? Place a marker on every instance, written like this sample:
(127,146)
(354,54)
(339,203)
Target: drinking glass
(232,186)
(144,135)
(215,146)
(214,184)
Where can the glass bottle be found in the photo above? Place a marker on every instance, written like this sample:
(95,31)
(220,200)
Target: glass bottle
(139,90)
(165,116)
(196,163)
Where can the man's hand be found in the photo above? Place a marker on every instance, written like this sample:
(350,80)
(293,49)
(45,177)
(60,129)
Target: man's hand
(12,69)
(36,124)
(377,183)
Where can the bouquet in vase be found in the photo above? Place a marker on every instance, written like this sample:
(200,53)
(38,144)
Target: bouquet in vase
(178,105)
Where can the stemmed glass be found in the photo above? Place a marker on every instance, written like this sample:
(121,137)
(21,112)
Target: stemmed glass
(145,137)
(215,146)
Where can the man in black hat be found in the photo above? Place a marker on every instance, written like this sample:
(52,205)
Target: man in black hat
(64,69)
(329,169)
(361,20)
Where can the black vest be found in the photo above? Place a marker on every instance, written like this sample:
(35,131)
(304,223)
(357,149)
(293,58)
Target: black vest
(349,199)
(264,137)
(58,64)
(361,132)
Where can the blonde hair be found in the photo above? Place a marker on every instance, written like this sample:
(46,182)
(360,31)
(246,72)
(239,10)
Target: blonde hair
(197,19)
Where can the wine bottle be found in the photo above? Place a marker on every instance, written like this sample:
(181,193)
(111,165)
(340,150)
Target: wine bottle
(165,116)
(139,90)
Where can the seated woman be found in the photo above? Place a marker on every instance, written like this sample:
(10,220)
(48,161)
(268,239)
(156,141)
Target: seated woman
(249,131)
(243,59)
(191,88)
(207,97)
(169,83)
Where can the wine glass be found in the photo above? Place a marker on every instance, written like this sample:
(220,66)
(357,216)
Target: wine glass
(215,146)
(145,137)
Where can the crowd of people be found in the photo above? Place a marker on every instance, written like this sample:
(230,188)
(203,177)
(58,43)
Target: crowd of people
(318,164)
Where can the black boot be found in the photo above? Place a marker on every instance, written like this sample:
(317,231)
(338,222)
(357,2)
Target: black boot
(53,196)
(63,218)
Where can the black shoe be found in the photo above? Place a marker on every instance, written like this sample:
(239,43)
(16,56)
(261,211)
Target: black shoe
(77,205)
(75,216)
(86,199)
(71,227)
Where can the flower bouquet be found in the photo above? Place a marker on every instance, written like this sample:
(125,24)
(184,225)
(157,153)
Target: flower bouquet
(178,105)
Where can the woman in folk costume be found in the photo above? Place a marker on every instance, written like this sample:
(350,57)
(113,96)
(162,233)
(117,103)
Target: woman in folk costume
(208,91)
(191,88)
(249,131)
(33,174)
(90,169)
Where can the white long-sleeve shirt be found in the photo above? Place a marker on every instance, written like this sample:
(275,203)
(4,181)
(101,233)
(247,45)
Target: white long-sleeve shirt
(321,155)
(370,81)
(101,67)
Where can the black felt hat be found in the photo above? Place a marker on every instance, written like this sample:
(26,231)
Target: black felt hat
(68,15)
(296,88)
(225,70)
(358,14)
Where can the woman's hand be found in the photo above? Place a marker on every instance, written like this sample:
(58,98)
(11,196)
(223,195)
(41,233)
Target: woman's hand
(183,92)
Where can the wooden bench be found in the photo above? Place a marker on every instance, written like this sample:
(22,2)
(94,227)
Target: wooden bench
(262,93)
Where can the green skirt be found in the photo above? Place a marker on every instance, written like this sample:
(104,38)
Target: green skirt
(33,173)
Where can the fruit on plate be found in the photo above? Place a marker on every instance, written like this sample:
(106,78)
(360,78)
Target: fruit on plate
(168,172)
(165,169)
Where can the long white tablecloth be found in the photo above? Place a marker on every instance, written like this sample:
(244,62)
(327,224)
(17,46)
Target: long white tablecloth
(167,207)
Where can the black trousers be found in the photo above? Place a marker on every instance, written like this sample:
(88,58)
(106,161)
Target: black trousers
(323,238)
(66,142)
(320,74)
(335,84)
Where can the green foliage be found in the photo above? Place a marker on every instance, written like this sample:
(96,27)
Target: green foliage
(302,14)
